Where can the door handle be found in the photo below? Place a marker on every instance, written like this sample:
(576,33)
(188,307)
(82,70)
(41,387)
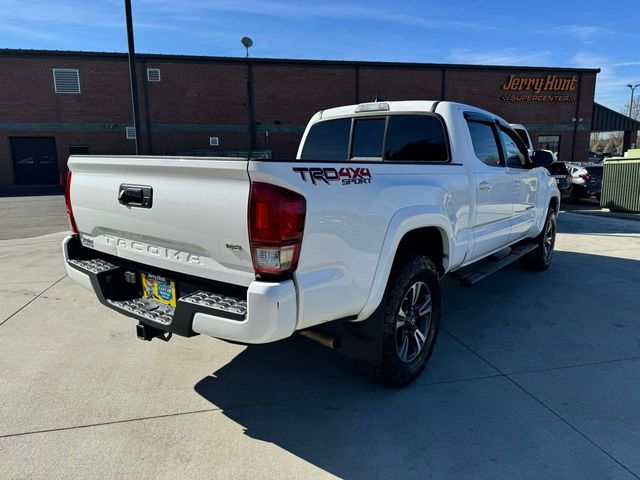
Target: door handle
(135,195)
(485,186)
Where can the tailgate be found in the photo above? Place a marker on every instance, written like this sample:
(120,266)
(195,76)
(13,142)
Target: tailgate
(195,221)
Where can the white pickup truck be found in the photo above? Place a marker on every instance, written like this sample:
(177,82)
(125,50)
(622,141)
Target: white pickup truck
(346,244)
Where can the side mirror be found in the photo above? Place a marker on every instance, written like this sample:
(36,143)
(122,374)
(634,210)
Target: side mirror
(542,158)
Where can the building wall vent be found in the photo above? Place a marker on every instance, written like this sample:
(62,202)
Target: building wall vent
(66,80)
(214,141)
(153,74)
(131,133)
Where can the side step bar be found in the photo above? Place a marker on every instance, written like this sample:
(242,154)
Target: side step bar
(475,272)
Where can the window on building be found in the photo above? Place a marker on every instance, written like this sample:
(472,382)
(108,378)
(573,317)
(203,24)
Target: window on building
(153,74)
(131,133)
(485,145)
(328,140)
(66,80)
(549,142)
(368,135)
(416,138)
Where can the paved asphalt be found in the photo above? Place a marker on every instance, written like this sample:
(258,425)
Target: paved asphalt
(535,375)
(22,217)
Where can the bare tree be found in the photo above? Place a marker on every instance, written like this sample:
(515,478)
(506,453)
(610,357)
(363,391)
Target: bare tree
(635,111)
(608,142)
(614,142)
(596,144)
(611,142)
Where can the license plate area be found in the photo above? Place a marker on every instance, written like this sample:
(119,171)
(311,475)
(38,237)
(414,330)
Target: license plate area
(159,289)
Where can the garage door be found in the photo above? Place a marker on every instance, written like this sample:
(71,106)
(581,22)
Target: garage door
(35,161)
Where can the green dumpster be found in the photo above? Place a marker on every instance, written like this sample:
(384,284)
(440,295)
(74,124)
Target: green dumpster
(621,183)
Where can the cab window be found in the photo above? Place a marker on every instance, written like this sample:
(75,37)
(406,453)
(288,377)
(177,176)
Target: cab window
(368,135)
(515,153)
(328,140)
(523,136)
(416,138)
(485,143)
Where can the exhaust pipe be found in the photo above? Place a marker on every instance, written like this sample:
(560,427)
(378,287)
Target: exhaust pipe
(328,340)
(148,333)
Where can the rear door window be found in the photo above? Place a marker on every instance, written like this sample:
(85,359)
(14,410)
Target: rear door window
(416,138)
(328,140)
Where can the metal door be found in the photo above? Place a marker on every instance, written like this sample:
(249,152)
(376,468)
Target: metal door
(35,161)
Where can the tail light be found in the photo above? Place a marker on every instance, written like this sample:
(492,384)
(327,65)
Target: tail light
(584,176)
(67,201)
(276,223)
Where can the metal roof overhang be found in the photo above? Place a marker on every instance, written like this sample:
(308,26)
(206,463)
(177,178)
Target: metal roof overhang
(606,120)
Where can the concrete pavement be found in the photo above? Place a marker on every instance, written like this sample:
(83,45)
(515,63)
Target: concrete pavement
(534,376)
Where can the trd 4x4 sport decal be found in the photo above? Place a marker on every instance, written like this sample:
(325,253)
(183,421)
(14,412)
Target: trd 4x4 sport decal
(345,175)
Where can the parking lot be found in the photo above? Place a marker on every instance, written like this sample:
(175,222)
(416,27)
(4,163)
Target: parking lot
(535,375)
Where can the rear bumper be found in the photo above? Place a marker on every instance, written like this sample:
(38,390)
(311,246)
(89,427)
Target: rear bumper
(263,313)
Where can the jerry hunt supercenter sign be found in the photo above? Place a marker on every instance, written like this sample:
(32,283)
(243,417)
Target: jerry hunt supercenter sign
(539,89)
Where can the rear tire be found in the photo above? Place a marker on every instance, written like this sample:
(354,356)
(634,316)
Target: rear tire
(411,320)
(540,258)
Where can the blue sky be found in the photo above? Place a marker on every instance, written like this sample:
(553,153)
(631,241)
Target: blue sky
(548,33)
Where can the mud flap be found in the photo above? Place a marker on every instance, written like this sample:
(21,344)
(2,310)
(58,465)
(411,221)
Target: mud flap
(362,341)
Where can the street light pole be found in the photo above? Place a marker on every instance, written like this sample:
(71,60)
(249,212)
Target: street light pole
(133,76)
(248,43)
(633,89)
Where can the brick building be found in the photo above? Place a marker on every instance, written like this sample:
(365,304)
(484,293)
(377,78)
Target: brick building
(55,103)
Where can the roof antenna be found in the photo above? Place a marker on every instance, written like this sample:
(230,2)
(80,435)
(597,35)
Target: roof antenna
(379,98)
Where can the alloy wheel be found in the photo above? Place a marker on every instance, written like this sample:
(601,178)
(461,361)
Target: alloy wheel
(413,322)
(549,238)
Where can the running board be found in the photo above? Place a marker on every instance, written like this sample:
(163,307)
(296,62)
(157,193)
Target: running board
(475,272)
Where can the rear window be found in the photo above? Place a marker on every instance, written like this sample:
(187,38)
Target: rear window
(416,138)
(368,135)
(328,140)
(409,138)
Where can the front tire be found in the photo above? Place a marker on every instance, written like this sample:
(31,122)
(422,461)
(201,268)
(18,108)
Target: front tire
(540,258)
(411,321)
